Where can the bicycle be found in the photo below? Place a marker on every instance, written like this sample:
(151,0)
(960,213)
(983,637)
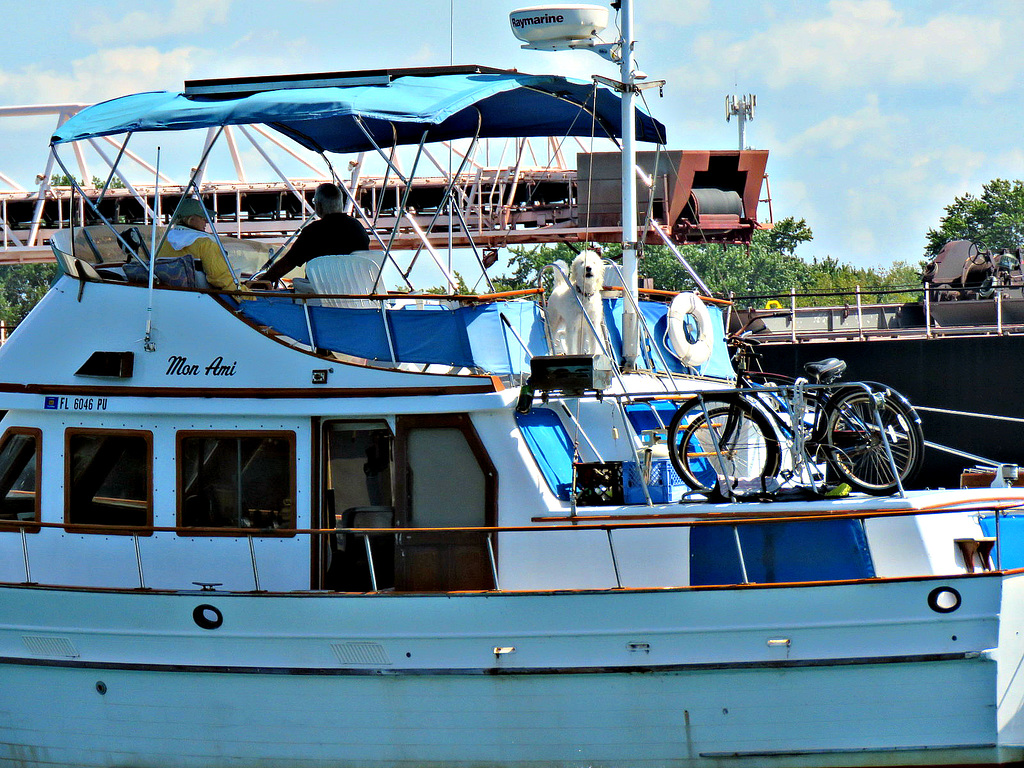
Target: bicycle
(852,429)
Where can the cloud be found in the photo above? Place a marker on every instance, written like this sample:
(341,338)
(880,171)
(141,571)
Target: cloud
(859,41)
(656,15)
(103,75)
(867,129)
(111,71)
(184,17)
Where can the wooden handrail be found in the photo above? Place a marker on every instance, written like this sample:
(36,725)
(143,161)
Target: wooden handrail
(596,522)
(659,292)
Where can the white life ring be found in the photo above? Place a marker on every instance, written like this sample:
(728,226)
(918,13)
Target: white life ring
(691,353)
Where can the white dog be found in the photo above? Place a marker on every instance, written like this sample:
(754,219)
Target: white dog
(570,332)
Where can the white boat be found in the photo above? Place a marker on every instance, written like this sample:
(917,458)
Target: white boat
(260,530)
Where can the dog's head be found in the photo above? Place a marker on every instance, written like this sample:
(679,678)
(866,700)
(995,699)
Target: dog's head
(587,273)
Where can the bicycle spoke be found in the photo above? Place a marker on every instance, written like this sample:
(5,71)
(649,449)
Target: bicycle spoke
(859,438)
(721,438)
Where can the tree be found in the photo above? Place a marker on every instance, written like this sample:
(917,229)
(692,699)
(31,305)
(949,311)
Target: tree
(769,267)
(994,220)
(527,263)
(63,180)
(786,234)
(21,286)
(878,285)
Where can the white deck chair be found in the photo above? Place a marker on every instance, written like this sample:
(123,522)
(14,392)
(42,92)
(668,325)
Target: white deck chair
(352,273)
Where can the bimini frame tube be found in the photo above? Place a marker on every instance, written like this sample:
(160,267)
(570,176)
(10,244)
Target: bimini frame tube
(148,344)
(447,199)
(90,203)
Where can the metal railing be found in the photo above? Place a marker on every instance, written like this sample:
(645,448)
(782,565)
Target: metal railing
(786,306)
(546,525)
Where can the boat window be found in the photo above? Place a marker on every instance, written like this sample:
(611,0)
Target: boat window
(551,447)
(236,480)
(108,478)
(19,475)
(812,550)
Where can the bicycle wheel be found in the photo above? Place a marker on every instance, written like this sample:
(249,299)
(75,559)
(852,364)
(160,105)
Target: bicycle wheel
(854,446)
(722,437)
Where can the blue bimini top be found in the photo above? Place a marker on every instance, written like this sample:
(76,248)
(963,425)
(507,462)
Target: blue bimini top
(447,105)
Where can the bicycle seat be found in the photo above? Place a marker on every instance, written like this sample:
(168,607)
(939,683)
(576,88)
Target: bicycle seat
(825,371)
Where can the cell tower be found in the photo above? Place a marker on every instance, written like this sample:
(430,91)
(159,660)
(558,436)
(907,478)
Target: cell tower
(743,108)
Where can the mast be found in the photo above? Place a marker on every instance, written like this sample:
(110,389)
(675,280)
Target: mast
(630,332)
(577,27)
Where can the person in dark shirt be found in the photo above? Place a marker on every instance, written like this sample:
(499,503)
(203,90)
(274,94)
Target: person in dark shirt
(335,232)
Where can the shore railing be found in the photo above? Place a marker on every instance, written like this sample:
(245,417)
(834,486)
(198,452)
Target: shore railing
(864,303)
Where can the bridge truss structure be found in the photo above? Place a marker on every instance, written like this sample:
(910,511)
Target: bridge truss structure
(524,191)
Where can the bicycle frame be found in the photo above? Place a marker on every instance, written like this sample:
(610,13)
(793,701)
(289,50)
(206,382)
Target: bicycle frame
(807,418)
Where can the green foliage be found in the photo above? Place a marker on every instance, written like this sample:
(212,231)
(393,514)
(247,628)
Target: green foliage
(768,268)
(786,235)
(444,290)
(21,286)
(63,180)
(829,276)
(994,220)
(526,264)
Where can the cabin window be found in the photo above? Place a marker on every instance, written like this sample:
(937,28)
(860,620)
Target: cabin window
(551,447)
(20,460)
(108,478)
(236,480)
(800,551)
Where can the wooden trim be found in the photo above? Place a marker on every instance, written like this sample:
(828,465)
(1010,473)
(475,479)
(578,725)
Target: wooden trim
(181,436)
(311,393)
(705,299)
(38,435)
(461,297)
(70,527)
(671,294)
(317,544)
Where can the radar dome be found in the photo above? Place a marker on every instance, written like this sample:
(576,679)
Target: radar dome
(552,24)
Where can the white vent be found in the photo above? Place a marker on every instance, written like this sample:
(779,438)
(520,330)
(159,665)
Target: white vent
(58,647)
(361,653)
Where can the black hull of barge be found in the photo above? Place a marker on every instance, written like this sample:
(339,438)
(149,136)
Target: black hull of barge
(978,374)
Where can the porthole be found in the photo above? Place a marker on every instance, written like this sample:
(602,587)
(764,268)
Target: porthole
(207,616)
(944,600)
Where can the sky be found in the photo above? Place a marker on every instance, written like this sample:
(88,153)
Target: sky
(876,113)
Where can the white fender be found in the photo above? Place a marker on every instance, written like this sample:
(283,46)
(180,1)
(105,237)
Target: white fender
(689,353)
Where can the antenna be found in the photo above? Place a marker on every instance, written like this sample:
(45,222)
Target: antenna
(743,108)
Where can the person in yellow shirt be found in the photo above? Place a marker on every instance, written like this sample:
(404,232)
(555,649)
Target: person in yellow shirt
(187,237)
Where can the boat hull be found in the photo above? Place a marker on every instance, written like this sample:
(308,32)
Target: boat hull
(858,674)
(864,715)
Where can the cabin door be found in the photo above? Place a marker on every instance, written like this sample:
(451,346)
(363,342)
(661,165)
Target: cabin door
(357,493)
(444,480)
